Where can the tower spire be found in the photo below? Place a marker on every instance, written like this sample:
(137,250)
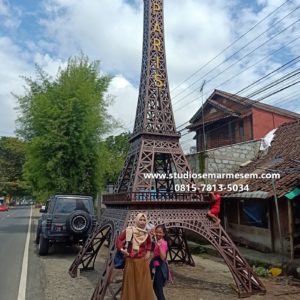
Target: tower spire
(154,113)
(154,145)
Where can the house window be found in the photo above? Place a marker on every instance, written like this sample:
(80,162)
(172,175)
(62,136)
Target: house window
(254,213)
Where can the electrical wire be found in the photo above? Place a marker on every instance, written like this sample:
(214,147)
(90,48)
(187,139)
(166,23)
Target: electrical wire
(249,43)
(236,62)
(296,81)
(230,45)
(245,45)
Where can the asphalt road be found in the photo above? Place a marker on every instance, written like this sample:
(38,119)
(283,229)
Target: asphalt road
(48,278)
(13,232)
(36,273)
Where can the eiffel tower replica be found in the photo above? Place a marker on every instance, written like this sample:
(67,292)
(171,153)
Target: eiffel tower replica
(155,149)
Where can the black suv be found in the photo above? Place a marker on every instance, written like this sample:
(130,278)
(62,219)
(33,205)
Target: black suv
(66,218)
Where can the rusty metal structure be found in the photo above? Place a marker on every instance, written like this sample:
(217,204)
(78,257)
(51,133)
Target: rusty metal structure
(166,198)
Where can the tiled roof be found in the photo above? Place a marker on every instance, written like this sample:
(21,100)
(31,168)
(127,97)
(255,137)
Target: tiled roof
(282,157)
(246,102)
(199,123)
(258,104)
(228,111)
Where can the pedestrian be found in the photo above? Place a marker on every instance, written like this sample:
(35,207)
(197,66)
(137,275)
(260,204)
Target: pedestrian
(135,244)
(214,211)
(158,265)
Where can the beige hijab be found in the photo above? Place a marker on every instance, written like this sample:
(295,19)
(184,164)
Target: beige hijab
(136,234)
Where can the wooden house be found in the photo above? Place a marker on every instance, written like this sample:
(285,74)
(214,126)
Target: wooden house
(229,119)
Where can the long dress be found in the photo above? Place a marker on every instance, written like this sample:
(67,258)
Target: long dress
(137,284)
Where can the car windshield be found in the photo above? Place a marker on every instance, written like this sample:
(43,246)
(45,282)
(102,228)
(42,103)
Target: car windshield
(67,205)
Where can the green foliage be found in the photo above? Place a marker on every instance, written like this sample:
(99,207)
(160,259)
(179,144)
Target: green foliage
(202,157)
(12,157)
(113,152)
(64,119)
(261,271)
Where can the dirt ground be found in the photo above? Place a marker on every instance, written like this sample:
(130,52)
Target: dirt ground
(210,279)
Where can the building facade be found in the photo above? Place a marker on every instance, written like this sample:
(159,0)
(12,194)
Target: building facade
(229,119)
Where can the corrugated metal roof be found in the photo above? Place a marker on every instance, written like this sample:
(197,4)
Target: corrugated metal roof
(256,194)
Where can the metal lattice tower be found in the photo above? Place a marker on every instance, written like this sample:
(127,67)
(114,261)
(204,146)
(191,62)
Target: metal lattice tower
(154,148)
(154,145)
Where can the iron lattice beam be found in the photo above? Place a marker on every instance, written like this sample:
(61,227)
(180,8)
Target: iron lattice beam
(178,248)
(154,147)
(176,221)
(156,154)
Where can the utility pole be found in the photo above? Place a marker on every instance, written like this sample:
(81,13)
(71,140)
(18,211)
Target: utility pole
(278,216)
(205,161)
(203,129)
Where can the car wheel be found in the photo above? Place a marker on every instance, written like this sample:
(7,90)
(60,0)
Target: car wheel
(43,245)
(79,222)
(37,235)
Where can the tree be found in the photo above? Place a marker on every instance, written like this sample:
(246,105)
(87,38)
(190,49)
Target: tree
(12,157)
(63,120)
(113,151)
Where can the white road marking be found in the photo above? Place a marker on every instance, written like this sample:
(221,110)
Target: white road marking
(23,279)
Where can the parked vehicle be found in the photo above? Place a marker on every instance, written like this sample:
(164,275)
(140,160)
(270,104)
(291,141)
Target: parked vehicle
(24,202)
(3,207)
(66,219)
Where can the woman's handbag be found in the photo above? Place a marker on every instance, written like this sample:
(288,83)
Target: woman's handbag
(119,260)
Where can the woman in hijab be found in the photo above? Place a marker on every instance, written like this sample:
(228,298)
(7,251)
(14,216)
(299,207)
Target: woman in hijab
(135,244)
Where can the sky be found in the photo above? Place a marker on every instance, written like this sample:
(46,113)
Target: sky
(229,44)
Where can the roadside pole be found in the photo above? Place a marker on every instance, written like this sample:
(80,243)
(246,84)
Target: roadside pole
(277,215)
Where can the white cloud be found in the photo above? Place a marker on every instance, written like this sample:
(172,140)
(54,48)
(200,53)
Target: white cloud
(3,8)
(9,16)
(110,31)
(48,64)
(125,101)
(195,32)
(13,65)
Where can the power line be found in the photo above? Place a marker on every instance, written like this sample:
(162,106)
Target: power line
(251,52)
(208,131)
(289,63)
(243,46)
(282,67)
(232,55)
(278,91)
(288,98)
(230,45)
(296,81)
(274,83)
(256,63)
